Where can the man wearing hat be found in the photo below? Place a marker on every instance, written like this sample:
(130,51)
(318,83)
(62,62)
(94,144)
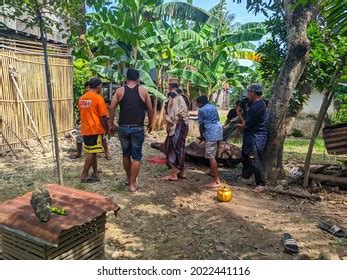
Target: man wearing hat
(254,137)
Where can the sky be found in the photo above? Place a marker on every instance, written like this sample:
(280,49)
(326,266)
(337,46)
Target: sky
(240,10)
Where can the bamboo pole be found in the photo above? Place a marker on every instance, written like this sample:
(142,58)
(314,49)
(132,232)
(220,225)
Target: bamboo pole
(36,131)
(20,140)
(32,87)
(8,144)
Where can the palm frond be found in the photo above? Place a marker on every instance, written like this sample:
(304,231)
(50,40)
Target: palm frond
(185,11)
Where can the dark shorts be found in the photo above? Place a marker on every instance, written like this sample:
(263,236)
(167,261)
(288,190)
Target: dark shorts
(93,144)
(131,139)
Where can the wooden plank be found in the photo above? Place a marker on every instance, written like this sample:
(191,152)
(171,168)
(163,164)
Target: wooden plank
(78,231)
(89,250)
(18,253)
(24,245)
(95,223)
(329,178)
(72,245)
(29,242)
(78,235)
(78,249)
(301,195)
(94,254)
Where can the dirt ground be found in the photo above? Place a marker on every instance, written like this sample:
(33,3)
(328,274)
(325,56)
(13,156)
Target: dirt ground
(182,220)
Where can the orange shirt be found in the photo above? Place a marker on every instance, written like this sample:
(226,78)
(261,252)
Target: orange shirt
(92,107)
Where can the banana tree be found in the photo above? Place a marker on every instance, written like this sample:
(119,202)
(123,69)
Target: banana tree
(215,59)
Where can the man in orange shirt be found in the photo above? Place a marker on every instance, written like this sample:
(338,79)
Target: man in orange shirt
(94,124)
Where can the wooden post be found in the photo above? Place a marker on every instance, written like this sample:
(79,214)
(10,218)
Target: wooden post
(49,94)
(323,110)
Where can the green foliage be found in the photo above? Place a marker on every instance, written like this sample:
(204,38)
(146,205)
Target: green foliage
(82,73)
(196,46)
(334,13)
(340,102)
(184,11)
(52,12)
(327,49)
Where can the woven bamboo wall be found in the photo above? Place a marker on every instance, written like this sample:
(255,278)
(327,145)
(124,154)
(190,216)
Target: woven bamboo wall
(29,67)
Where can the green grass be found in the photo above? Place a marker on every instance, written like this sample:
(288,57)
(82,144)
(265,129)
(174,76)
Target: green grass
(301,145)
(295,149)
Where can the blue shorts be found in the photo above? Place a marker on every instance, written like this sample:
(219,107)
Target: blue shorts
(131,139)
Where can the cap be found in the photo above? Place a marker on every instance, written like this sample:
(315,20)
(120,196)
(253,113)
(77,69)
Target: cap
(256,87)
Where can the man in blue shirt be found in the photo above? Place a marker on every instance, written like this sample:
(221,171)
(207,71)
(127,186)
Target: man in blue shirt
(212,132)
(254,137)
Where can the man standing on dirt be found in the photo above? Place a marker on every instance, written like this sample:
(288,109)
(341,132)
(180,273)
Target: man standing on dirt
(254,138)
(133,100)
(94,125)
(211,131)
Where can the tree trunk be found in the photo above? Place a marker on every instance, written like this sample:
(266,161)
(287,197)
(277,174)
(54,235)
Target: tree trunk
(50,98)
(291,71)
(134,54)
(188,89)
(161,117)
(155,115)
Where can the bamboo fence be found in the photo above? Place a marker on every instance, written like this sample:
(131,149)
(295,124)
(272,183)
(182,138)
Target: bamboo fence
(25,58)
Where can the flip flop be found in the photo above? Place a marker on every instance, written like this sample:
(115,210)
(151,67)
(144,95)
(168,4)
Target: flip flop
(290,244)
(90,180)
(332,229)
(260,189)
(74,156)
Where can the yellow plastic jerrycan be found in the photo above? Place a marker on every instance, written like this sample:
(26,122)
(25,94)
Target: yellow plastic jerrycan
(225,193)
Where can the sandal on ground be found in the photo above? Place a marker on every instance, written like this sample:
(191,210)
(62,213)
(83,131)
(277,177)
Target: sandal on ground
(290,244)
(259,189)
(332,229)
(74,156)
(90,180)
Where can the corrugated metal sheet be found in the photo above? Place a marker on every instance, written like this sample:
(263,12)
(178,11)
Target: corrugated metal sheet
(82,207)
(335,138)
